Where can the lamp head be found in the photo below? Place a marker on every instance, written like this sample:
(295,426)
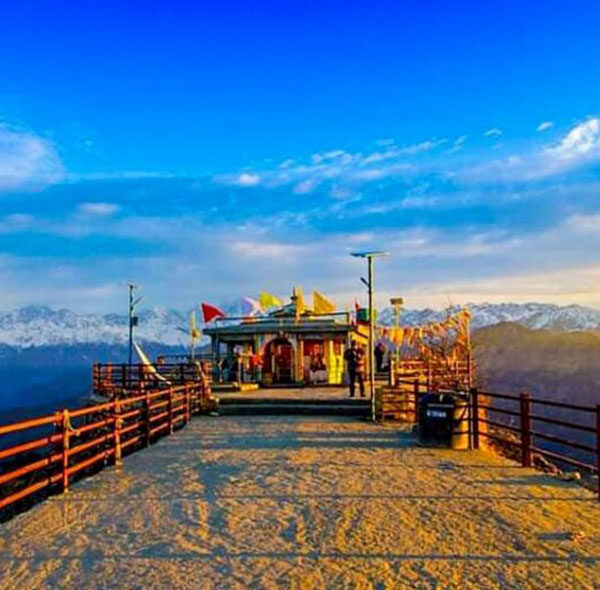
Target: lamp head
(370,254)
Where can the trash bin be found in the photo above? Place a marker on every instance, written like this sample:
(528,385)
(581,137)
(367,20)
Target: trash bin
(444,419)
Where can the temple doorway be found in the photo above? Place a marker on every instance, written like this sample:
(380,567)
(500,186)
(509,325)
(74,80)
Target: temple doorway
(279,361)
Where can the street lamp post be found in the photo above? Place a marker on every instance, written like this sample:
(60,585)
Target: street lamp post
(133,320)
(371,289)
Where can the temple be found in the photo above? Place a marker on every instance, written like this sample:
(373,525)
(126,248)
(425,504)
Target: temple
(291,345)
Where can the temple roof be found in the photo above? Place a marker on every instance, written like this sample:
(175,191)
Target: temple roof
(308,324)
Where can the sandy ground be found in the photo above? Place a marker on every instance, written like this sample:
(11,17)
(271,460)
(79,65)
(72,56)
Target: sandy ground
(331,393)
(294,502)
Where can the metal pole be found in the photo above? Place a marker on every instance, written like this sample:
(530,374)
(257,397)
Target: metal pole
(396,325)
(598,447)
(371,335)
(130,324)
(525,416)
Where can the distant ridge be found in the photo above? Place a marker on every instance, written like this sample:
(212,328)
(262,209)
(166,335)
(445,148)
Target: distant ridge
(536,316)
(35,326)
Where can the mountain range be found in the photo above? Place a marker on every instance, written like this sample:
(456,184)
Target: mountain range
(41,326)
(46,355)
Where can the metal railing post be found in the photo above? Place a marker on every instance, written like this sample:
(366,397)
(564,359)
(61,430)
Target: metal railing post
(170,410)
(475,416)
(66,432)
(525,416)
(117,432)
(417,393)
(598,447)
(187,403)
(146,416)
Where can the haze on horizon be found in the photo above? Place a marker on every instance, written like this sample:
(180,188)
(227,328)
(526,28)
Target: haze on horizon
(209,152)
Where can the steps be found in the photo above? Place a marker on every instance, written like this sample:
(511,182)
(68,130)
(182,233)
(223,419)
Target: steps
(260,406)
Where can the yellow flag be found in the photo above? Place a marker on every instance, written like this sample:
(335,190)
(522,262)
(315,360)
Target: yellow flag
(299,300)
(267,300)
(322,304)
(194,332)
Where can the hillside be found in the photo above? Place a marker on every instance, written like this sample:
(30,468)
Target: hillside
(562,366)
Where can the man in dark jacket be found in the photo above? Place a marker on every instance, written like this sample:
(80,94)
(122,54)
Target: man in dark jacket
(355,358)
(379,356)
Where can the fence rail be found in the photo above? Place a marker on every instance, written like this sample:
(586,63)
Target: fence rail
(114,379)
(518,421)
(43,455)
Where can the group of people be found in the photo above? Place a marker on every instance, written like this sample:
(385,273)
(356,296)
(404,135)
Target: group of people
(240,367)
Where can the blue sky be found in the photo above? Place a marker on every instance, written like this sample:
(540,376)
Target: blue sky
(209,152)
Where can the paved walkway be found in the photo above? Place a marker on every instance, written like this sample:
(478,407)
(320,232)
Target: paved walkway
(307,503)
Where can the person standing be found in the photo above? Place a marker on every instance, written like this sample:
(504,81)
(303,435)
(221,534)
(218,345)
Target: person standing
(379,355)
(355,357)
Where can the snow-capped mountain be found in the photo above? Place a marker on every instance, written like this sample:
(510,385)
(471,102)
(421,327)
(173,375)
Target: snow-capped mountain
(43,326)
(536,316)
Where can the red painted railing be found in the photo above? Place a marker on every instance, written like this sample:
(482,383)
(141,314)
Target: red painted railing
(521,422)
(44,455)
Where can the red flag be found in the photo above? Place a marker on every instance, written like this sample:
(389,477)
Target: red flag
(356,305)
(210,312)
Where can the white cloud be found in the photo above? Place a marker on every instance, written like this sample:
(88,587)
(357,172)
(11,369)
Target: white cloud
(27,161)
(582,141)
(98,208)
(561,286)
(335,165)
(423,146)
(122,175)
(545,125)
(331,155)
(589,224)
(247,179)
(265,249)
(493,132)
(579,147)
(458,144)
(306,186)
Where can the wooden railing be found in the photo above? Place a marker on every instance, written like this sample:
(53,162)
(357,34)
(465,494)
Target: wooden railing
(116,378)
(43,455)
(435,374)
(521,422)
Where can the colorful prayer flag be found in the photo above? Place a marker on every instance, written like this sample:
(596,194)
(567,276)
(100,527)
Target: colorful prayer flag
(299,300)
(267,300)
(322,304)
(194,332)
(250,306)
(210,312)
